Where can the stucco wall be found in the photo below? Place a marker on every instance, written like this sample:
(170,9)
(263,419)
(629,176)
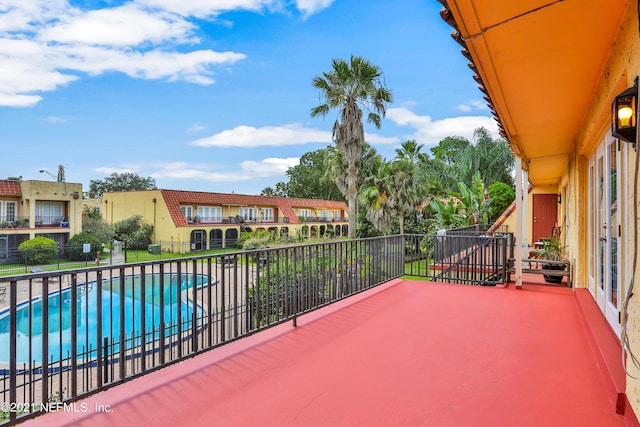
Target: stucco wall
(618,73)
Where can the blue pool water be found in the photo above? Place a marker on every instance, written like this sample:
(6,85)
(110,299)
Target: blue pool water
(30,333)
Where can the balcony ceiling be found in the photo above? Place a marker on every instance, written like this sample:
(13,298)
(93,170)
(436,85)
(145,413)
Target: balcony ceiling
(539,62)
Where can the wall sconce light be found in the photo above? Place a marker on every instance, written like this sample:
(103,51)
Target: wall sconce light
(559,198)
(625,113)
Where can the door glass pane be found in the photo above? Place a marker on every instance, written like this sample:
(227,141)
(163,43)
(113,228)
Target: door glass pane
(602,222)
(592,245)
(613,220)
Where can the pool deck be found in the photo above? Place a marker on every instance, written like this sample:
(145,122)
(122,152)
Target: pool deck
(405,353)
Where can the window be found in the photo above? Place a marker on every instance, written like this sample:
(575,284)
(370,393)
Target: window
(49,212)
(249,214)
(325,214)
(210,213)
(266,214)
(8,211)
(305,213)
(336,214)
(187,211)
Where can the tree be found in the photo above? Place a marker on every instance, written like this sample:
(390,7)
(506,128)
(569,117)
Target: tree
(120,182)
(410,150)
(346,87)
(474,206)
(449,149)
(268,192)
(76,246)
(493,159)
(376,195)
(94,224)
(308,179)
(405,192)
(38,250)
(502,196)
(136,233)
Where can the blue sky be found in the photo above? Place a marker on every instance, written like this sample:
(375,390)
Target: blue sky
(213,95)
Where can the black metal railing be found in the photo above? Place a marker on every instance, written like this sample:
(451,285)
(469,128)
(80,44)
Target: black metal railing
(51,221)
(477,259)
(8,222)
(66,334)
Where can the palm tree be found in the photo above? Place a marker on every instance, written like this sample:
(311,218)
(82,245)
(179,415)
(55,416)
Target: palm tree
(410,150)
(347,87)
(405,194)
(494,159)
(376,194)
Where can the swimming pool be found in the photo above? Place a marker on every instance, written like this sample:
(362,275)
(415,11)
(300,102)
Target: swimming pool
(30,324)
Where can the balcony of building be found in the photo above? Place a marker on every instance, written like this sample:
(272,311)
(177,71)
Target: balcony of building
(337,333)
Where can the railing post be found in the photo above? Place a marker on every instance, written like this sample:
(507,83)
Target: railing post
(295,289)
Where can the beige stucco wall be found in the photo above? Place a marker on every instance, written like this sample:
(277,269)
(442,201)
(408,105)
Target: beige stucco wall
(619,72)
(539,189)
(67,192)
(118,206)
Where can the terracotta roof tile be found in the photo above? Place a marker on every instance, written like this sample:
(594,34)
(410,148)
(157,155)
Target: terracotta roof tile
(174,198)
(10,188)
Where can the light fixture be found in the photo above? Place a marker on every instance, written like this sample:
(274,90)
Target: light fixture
(559,198)
(625,112)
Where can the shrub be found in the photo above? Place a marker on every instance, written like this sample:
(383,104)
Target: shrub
(254,238)
(76,247)
(502,195)
(38,250)
(134,232)
(99,228)
(141,238)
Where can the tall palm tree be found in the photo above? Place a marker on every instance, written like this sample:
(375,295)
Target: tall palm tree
(377,195)
(404,193)
(410,150)
(347,87)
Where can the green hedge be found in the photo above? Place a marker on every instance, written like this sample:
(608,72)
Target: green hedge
(76,247)
(39,250)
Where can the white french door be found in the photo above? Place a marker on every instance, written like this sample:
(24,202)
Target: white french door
(605,230)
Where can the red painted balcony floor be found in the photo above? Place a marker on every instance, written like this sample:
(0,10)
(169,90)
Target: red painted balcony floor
(408,353)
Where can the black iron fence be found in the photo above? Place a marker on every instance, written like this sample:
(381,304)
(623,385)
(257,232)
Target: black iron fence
(67,334)
(471,258)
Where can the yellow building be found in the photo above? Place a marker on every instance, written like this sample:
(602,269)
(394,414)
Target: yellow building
(185,221)
(550,72)
(38,208)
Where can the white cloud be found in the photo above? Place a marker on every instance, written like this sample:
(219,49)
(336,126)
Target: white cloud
(207,8)
(430,133)
(248,170)
(309,7)
(46,44)
(374,139)
(54,119)
(126,25)
(13,100)
(474,104)
(196,127)
(278,136)
(248,136)
(110,170)
(268,167)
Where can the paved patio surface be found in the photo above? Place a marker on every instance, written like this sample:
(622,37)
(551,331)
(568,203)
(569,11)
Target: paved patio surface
(408,353)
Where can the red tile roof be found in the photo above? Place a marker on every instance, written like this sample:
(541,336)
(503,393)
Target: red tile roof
(174,198)
(10,188)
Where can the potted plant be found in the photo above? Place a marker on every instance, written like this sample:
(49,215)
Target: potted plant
(552,250)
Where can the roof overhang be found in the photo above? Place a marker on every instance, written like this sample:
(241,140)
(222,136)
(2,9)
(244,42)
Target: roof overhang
(538,63)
